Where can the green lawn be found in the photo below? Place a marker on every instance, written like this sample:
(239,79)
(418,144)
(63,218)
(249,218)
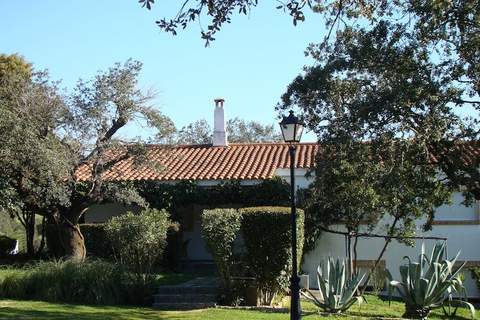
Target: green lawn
(35,310)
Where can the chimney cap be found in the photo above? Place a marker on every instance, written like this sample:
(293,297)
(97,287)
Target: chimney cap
(219,102)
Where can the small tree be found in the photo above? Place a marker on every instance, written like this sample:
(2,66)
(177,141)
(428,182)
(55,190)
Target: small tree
(139,240)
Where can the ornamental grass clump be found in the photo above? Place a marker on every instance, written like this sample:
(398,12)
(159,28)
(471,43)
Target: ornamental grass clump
(338,291)
(90,282)
(430,283)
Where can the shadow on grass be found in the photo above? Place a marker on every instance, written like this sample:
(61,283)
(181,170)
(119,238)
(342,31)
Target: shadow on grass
(79,312)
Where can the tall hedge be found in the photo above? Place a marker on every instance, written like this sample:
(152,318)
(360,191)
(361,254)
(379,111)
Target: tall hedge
(96,241)
(220,228)
(267,233)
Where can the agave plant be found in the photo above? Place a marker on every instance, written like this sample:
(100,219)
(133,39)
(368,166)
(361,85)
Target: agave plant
(336,288)
(430,283)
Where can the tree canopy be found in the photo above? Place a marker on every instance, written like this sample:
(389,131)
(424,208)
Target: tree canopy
(49,135)
(219,12)
(238,131)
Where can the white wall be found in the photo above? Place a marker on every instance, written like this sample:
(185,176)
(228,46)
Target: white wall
(99,213)
(463,235)
(301,181)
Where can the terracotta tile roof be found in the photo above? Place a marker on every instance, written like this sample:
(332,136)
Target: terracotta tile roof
(250,161)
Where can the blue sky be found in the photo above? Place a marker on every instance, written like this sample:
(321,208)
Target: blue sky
(250,64)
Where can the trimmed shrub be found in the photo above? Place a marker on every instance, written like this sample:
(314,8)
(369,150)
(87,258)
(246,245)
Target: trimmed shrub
(139,239)
(267,238)
(96,241)
(7,245)
(220,228)
(91,282)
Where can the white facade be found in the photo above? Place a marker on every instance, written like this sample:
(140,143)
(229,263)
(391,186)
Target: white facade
(456,222)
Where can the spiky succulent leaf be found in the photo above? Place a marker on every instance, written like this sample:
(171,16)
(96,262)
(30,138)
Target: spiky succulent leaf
(336,288)
(428,283)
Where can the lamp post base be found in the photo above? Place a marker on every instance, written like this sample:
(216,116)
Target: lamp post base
(295,310)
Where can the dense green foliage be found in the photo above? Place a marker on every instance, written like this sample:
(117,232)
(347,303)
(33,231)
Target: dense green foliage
(139,240)
(220,228)
(91,282)
(428,283)
(51,134)
(96,241)
(171,196)
(338,290)
(267,236)
(33,160)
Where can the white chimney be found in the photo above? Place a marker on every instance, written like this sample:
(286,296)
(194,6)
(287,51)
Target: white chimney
(219,132)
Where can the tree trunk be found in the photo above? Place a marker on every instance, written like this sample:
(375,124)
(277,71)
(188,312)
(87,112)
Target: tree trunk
(29,219)
(72,241)
(69,234)
(380,256)
(415,312)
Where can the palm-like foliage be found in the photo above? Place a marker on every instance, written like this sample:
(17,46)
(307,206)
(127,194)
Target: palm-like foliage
(336,288)
(430,283)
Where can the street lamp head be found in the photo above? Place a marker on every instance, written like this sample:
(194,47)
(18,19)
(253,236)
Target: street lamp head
(292,128)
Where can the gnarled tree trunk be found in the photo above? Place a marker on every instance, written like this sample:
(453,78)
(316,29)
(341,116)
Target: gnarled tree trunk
(68,241)
(72,241)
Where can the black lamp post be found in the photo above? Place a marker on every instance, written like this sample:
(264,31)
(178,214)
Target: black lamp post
(292,129)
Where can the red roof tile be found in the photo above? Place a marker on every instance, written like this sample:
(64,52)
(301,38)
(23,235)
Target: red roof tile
(250,161)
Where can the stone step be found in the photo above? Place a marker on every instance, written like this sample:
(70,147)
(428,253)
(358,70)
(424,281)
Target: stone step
(176,290)
(200,267)
(183,306)
(184,298)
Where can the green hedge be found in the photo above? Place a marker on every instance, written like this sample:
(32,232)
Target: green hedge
(96,241)
(266,233)
(220,228)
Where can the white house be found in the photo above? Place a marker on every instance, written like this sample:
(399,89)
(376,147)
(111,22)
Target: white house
(251,163)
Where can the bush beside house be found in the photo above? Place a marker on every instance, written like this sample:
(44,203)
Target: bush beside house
(138,240)
(267,236)
(220,228)
(266,252)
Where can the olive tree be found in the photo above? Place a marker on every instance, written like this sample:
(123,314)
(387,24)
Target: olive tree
(49,137)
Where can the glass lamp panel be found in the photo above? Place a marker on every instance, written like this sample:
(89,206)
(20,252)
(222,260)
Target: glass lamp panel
(298,132)
(288,132)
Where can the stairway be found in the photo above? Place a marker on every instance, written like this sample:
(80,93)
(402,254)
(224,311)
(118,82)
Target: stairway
(195,294)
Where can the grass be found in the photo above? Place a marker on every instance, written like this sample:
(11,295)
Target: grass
(35,310)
